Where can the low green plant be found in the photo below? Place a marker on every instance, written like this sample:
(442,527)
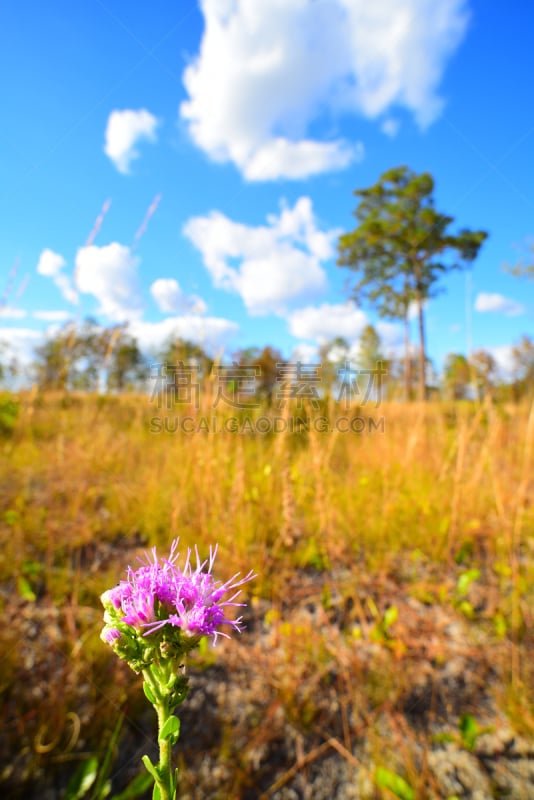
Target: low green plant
(397,786)
(463,585)
(28,580)
(9,411)
(469,731)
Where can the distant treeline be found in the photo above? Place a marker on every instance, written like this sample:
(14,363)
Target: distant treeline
(93,358)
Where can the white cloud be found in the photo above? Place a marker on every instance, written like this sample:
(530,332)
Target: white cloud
(51,265)
(504,359)
(327,321)
(280,158)
(267,70)
(52,316)
(21,342)
(64,284)
(212,333)
(125,129)
(498,303)
(110,274)
(9,312)
(170,298)
(306,353)
(271,266)
(391,336)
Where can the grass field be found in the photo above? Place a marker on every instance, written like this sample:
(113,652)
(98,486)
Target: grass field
(389,560)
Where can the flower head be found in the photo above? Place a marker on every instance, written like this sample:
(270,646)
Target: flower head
(161,603)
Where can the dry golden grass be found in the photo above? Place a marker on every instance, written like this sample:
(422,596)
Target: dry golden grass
(443,489)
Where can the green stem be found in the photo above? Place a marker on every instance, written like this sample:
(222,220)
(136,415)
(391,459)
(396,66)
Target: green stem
(157,681)
(166,787)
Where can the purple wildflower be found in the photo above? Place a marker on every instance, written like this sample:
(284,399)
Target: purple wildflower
(159,593)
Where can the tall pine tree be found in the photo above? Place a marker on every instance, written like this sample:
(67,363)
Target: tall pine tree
(400,249)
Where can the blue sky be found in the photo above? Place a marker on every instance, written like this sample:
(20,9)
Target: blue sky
(187,167)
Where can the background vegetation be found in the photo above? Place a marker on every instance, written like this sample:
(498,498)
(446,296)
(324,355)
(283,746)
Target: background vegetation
(385,560)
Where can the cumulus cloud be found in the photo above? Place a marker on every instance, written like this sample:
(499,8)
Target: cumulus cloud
(170,298)
(212,333)
(124,130)
(504,358)
(266,71)
(306,353)
(280,158)
(110,274)
(328,321)
(271,266)
(21,342)
(499,304)
(51,265)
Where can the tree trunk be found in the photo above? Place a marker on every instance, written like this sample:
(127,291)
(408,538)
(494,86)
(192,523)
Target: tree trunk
(422,349)
(407,358)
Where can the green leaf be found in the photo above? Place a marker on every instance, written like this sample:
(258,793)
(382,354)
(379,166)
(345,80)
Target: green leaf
(31,568)
(466,579)
(11,517)
(391,616)
(469,730)
(149,766)
(25,590)
(149,693)
(372,607)
(464,552)
(390,780)
(104,791)
(170,730)
(467,609)
(82,780)
(500,625)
